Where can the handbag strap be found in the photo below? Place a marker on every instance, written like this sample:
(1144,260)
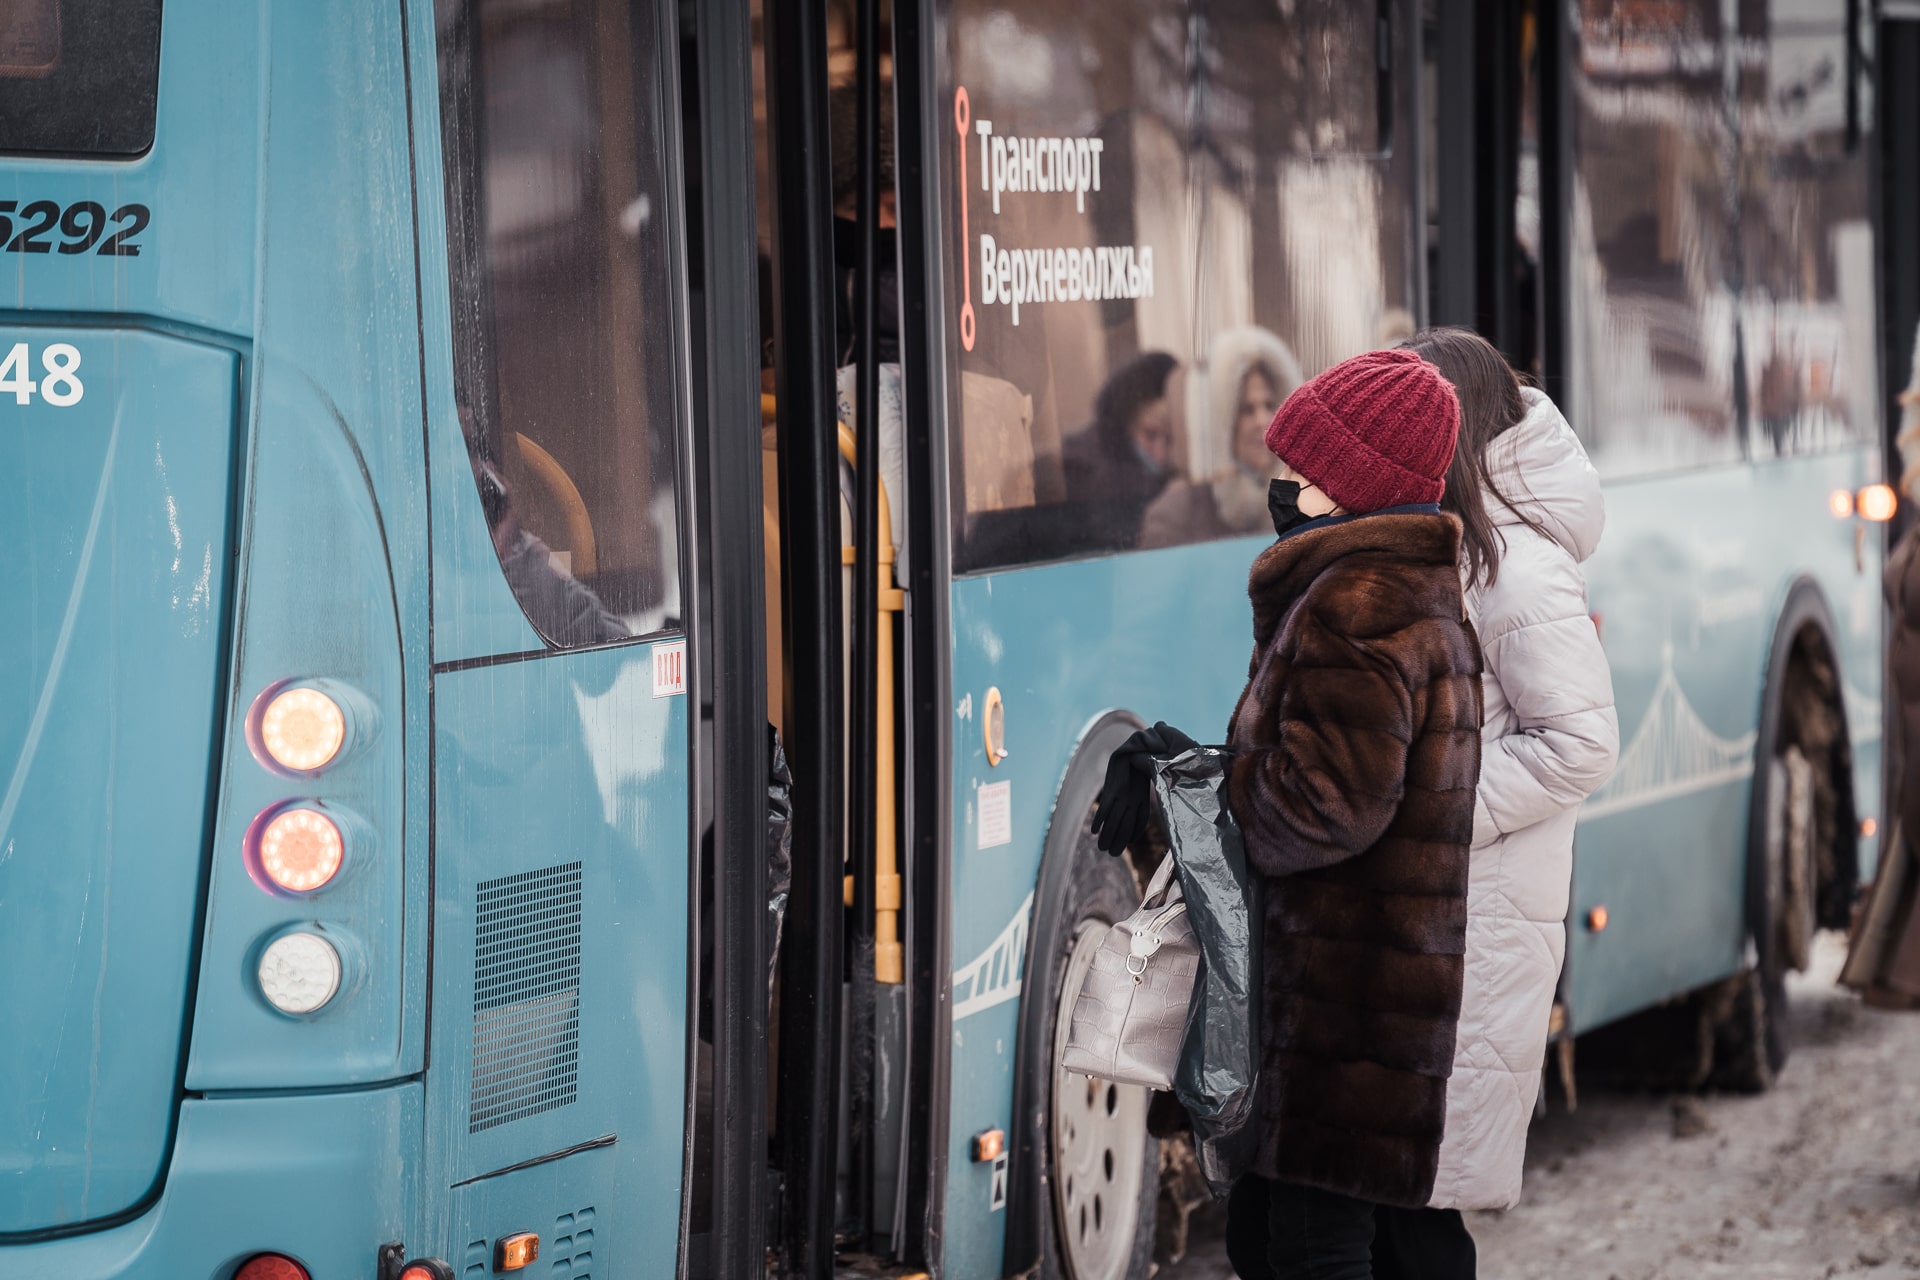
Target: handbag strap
(1163,883)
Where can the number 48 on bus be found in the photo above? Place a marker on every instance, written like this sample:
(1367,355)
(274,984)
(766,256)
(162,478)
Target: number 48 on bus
(59,363)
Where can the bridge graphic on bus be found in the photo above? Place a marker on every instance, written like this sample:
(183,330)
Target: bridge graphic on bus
(1673,753)
(993,976)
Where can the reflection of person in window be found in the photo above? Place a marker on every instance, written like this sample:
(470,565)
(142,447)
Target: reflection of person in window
(1250,373)
(1120,462)
(560,606)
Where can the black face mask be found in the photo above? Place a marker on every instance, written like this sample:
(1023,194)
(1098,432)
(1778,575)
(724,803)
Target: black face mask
(1283,504)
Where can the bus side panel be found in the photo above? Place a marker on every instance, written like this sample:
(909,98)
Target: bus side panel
(1163,633)
(333,576)
(322,1178)
(1688,585)
(1720,321)
(560,947)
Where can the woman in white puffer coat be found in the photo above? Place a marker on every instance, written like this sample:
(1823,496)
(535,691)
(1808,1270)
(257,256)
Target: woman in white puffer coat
(1531,509)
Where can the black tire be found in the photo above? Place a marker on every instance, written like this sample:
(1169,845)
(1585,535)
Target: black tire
(1099,891)
(1749,1011)
(1749,1037)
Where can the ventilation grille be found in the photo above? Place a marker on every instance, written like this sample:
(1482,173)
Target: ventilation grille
(526,996)
(572,1254)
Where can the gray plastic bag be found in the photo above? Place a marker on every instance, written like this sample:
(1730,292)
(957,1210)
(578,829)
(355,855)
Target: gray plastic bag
(1220,1056)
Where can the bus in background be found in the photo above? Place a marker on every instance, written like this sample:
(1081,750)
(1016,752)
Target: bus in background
(1668,214)
(433,470)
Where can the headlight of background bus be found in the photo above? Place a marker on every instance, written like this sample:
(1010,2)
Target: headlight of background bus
(1876,503)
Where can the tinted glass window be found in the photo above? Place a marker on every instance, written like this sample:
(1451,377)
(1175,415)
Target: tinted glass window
(78,77)
(563,310)
(1722,281)
(1164,219)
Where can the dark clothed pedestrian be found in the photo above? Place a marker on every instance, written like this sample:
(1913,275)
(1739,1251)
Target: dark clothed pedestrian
(1357,750)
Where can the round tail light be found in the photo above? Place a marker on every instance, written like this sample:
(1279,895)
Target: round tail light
(300,849)
(299,973)
(302,729)
(271,1266)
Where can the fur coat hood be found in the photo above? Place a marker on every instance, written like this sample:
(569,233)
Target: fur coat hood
(1357,748)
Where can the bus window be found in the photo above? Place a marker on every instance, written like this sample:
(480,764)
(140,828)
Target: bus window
(562,309)
(79,79)
(1167,226)
(1717,338)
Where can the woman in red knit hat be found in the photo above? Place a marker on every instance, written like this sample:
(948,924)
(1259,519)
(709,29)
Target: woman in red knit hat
(1356,750)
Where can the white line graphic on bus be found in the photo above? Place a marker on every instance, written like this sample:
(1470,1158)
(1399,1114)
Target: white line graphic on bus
(1673,753)
(993,976)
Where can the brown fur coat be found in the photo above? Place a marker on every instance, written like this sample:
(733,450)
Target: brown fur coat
(1357,747)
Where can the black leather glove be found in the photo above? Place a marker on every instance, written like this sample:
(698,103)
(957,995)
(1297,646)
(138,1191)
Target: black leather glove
(1126,801)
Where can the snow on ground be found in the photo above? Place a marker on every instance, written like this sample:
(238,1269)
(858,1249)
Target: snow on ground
(1819,1177)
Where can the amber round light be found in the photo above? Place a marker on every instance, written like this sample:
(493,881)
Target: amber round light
(1840,504)
(301,849)
(1877,502)
(303,729)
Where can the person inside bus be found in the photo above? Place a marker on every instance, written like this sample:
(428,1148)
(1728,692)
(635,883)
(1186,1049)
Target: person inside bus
(1249,373)
(1531,512)
(1356,748)
(1120,462)
(561,607)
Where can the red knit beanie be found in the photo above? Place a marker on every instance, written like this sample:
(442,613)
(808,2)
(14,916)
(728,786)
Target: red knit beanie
(1374,431)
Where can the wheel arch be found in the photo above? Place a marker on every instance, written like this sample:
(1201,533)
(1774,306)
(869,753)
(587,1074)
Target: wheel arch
(1027,1143)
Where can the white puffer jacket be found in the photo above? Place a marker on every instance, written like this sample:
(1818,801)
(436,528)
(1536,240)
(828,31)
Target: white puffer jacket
(1550,739)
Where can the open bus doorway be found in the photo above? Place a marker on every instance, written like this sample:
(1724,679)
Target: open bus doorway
(840,663)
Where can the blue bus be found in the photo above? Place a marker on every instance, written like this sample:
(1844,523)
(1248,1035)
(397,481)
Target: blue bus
(515,768)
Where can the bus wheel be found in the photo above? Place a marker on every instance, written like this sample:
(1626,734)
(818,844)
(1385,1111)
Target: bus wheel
(1104,1165)
(1749,1010)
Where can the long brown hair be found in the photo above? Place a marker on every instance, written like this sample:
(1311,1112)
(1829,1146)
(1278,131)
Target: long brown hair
(1490,404)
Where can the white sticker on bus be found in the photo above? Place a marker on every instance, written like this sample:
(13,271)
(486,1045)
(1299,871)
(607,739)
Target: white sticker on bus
(59,363)
(996,814)
(670,669)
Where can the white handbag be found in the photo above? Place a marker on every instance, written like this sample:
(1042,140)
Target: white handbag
(1131,1014)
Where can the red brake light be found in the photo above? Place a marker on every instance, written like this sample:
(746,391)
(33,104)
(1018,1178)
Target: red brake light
(271,1266)
(300,849)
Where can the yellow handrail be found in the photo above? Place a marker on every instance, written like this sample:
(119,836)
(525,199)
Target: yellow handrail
(887,960)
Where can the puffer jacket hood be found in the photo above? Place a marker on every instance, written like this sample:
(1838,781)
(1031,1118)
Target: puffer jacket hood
(1550,738)
(1540,467)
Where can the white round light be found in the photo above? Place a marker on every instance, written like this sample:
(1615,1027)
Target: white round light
(299,972)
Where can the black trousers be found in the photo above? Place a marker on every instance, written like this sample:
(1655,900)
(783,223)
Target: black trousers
(1281,1231)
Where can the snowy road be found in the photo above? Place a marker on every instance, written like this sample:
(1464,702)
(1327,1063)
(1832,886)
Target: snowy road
(1820,1177)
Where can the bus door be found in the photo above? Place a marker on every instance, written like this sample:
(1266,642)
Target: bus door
(596,719)
(856,640)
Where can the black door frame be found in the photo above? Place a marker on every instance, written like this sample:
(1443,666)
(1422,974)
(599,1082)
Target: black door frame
(727,667)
